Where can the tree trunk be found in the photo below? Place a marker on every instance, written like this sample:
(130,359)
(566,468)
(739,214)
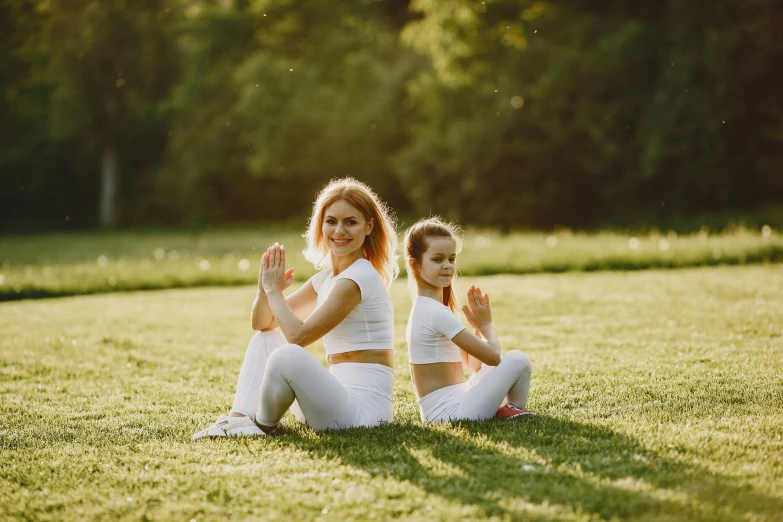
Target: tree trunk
(108,196)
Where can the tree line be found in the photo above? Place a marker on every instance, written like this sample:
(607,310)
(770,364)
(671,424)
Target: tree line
(528,113)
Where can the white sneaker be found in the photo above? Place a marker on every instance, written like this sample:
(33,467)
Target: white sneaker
(227,426)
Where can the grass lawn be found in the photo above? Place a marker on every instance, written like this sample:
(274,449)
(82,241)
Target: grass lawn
(659,393)
(62,264)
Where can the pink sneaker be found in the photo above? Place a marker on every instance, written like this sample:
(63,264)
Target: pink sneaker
(509,412)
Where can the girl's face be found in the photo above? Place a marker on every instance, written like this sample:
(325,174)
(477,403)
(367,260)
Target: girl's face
(344,228)
(439,263)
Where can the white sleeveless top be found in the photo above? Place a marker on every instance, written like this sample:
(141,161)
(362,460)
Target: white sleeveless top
(431,327)
(370,325)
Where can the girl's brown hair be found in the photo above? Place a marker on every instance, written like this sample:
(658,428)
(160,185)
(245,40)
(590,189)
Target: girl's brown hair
(417,239)
(379,246)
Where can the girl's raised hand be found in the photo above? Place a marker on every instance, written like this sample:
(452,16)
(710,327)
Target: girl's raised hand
(274,277)
(478,311)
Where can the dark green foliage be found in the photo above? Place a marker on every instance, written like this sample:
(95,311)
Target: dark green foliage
(231,111)
(628,112)
(89,79)
(288,96)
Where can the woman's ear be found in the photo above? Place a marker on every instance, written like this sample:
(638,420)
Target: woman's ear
(370,226)
(412,264)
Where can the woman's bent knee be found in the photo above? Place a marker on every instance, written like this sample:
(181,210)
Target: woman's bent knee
(287,356)
(518,359)
(267,340)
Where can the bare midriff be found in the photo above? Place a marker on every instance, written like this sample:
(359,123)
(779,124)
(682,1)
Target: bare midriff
(430,377)
(384,357)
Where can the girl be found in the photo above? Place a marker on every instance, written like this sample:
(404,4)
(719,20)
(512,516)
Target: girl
(440,347)
(351,236)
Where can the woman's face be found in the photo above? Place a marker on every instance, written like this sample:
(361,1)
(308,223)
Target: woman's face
(439,262)
(344,228)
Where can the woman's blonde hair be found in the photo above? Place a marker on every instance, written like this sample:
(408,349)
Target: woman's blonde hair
(380,245)
(417,239)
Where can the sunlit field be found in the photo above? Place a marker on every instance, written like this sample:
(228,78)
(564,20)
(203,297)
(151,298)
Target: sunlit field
(659,392)
(623,157)
(72,264)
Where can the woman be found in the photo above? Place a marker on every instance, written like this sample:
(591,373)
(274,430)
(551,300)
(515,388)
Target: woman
(440,348)
(351,236)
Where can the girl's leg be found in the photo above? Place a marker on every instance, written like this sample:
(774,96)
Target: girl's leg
(509,383)
(248,394)
(292,373)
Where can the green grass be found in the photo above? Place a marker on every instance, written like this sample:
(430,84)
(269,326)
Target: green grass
(73,264)
(660,396)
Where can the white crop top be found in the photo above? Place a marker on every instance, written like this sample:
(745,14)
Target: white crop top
(431,327)
(370,325)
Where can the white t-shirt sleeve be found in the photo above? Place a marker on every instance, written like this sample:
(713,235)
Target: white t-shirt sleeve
(365,276)
(318,279)
(446,323)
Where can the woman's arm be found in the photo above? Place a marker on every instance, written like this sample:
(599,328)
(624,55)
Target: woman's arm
(301,302)
(261,316)
(343,297)
(479,315)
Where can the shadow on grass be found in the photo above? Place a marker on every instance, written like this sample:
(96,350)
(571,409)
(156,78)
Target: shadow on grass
(578,467)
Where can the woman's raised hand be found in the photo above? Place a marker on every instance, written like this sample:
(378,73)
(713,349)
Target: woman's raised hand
(273,276)
(477,311)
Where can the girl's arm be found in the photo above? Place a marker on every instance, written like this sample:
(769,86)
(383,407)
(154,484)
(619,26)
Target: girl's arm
(470,363)
(479,315)
(343,298)
(301,302)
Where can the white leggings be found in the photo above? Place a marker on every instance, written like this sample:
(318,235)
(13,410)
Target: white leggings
(480,397)
(276,376)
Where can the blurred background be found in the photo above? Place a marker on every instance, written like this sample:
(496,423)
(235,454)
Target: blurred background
(529,114)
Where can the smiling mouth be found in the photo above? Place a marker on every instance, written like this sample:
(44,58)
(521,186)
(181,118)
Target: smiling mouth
(341,242)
